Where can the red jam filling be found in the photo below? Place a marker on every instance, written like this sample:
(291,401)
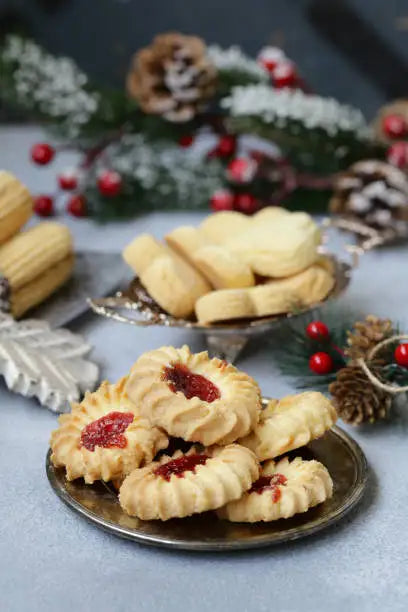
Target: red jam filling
(187,463)
(269,482)
(180,378)
(107,431)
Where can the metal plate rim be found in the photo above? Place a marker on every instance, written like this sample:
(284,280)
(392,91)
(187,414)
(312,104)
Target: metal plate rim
(225,545)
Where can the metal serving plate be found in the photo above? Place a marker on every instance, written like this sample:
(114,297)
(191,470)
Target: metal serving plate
(224,340)
(337,450)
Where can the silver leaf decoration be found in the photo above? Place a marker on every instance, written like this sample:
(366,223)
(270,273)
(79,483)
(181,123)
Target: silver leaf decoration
(37,361)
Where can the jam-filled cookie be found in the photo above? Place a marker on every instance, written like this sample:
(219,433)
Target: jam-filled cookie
(189,483)
(284,489)
(194,397)
(290,423)
(104,437)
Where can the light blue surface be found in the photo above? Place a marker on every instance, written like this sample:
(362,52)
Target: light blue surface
(51,560)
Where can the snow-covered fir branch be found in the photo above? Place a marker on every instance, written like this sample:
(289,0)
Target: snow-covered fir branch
(53,85)
(233,59)
(165,169)
(283,105)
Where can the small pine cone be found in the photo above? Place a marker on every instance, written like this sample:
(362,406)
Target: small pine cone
(356,399)
(397,107)
(172,77)
(374,193)
(365,336)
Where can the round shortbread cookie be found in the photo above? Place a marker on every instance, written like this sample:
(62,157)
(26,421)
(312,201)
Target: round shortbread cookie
(194,397)
(190,483)
(284,489)
(290,423)
(104,437)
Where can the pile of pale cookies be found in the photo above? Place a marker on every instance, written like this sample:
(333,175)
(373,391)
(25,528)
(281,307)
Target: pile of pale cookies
(235,267)
(236,463)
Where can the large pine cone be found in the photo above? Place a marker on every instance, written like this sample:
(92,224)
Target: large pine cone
(172,77)
(375,193)
(399,108)
(356,399)
(365,336)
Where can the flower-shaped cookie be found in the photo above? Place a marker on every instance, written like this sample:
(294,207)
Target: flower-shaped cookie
(284,489)
(189,483)
(194,397)
(104,437)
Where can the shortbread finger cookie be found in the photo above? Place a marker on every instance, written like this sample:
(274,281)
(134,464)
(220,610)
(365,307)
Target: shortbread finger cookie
(185,241)
(190,483)
(223,269)
(290,423)
(284,489)
(273,297)
(35,263)
(170,280)
(278,248)
(104,437)
(221,226)
(16,205)
(194,397)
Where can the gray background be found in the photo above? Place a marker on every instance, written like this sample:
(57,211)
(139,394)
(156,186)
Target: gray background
(356,50)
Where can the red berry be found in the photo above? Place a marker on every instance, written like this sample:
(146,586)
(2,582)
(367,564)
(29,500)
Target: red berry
(246,203)
(222,200)
(284,75)
(226,145)
(241,169)
(68,180)
(401,355)
(76,206)
(270,57)
(186,140)
(397,154)
(42,153)
(394,126)
(44,206)
(321,363)
(317,330)
(110,183)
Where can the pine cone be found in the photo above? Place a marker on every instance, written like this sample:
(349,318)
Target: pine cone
(172,77)
(356,399)
(365,336)
(375,193)
(399,108)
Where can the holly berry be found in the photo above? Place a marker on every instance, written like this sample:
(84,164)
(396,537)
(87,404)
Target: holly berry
(321,363)
(42,153)
(270,57)
(76,206)
(317,330)
(226,145)
(44,206)
(222,200)
(284,75)
(394,126)
(401,355)
(68,180)
(186,140)
(397,154)
(110,183)
(241,169)
(246,203)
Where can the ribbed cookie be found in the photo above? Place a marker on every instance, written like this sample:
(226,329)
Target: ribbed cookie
(16,205)
(284,489)
(290,423)
(142,441)
(194,397)
(190,483)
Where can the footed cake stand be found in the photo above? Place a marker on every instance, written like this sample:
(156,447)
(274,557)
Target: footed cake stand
(134,306)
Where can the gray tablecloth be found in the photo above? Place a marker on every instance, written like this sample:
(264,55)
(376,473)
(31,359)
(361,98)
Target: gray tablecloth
(51,560)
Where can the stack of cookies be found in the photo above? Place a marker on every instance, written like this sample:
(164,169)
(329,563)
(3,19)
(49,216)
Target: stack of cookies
(33,263)
(236,463)
(234,267)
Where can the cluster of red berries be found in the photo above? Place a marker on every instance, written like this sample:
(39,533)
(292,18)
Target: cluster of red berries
(227,200)
(281,69)
(395,127)
(109,184)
